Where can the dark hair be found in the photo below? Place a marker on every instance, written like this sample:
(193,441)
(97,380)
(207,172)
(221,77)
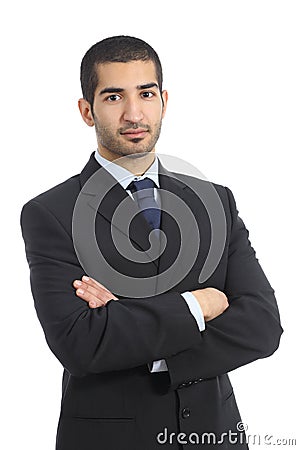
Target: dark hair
(114,49)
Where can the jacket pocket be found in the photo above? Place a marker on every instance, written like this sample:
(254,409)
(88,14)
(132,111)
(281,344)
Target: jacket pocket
(93,433)
(106,419)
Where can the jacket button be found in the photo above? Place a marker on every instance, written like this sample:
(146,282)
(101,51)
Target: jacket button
(186,412)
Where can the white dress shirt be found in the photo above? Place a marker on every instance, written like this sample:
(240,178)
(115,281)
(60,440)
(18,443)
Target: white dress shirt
(124,178)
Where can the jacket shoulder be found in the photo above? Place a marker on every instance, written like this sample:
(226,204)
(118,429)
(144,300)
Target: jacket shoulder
(59,201)
(203,185)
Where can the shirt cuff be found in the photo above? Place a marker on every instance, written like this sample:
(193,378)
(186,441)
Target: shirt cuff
(158,366)
(195,309)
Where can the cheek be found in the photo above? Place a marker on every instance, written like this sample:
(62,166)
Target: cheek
(154,113)
(108,120)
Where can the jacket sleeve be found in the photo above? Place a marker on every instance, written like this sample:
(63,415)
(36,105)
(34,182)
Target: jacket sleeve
(121,335)
(248,330)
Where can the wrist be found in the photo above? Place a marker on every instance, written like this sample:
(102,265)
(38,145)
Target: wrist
(203,305)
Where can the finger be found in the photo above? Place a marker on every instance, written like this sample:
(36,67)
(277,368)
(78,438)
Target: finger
(90,298)
(94,296)
(97,291)
(93,304)
(94,283)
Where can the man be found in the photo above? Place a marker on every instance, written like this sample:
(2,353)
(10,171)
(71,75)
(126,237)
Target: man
(147,369)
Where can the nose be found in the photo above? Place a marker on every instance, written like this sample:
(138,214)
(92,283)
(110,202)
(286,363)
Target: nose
(133,111)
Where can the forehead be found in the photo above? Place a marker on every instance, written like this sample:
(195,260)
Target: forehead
(126,75)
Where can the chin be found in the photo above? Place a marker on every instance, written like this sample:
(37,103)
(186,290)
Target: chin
(140,154)
(135,152)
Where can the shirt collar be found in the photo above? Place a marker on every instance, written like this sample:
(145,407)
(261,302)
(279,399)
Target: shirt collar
(124,176)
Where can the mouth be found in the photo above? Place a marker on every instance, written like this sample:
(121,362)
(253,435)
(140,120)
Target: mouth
(138,133)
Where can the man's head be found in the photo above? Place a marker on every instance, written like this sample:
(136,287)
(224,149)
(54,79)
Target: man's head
(115,49)
(121,79)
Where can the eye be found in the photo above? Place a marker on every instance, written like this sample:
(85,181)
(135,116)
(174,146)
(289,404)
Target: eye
(147,94)
(113,98)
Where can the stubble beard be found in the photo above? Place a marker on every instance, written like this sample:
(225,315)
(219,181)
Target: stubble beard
(135,148)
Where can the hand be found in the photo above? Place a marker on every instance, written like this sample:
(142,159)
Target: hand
(212,302)
(91,291)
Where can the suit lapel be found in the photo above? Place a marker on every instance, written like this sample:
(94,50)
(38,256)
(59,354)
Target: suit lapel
(105,183)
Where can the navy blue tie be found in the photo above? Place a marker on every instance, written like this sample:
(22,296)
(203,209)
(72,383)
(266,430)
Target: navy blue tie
(143,193)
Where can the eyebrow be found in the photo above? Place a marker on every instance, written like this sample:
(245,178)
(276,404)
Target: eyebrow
(147,86)
(112,90)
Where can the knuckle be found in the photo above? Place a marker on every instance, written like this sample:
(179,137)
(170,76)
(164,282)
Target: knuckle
(87,296)
(100,297)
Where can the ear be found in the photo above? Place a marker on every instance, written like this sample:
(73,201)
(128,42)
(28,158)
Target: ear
(86,112)
(165,96)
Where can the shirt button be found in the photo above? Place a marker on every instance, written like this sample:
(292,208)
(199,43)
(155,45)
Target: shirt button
(186,412)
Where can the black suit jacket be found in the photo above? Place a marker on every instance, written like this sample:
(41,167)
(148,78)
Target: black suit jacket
(110,400)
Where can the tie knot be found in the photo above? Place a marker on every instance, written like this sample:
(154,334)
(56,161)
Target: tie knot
(139,185)
(143,193)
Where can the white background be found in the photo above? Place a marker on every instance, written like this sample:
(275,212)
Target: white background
(232,72)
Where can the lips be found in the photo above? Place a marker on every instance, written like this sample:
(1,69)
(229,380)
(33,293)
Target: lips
(134,133)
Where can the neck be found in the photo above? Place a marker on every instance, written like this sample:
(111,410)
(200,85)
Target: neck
(136,164)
